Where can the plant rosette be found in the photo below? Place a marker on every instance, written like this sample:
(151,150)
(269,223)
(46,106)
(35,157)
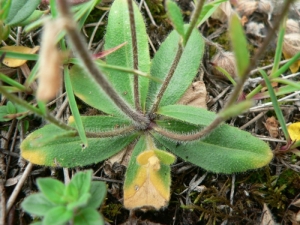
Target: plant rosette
(164,123)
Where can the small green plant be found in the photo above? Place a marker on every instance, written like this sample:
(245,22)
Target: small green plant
(76,203)
(138,97)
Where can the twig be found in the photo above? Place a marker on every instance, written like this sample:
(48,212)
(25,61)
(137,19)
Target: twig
(18,187)
(138,118)
(252,120)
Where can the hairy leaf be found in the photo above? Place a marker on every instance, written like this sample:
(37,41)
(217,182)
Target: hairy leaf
(53,146)
(185,71)
(118,32)
(20,10)
(37,204)
(226,150)
(239,44)
(88,91)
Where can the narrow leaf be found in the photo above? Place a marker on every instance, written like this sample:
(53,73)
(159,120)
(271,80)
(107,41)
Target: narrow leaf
(175,16)
(185,72)
(18,52)
(118,20)
(239,44)
(74,108)
(189,114)
(20,10)
(276,105)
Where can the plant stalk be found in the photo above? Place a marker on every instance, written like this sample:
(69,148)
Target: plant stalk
(135,56)
(138,118)
(194,20)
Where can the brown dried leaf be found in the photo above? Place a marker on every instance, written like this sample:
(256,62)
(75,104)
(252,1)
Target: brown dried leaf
(272,127)
(266,7)
(291,46)
(246,7)
(225,60)
(292,26)
(11,62)
(195,95)
(296,203)
(267,218)
(223,12)
(50,74)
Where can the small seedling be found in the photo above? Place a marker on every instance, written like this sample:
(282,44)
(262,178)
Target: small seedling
(76,203)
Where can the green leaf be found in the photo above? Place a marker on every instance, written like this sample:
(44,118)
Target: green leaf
(5,8)
(37,14)
(118,20)
(175,16)
(19,55)
(3,113)
(52,189)
(20,10)
(37,204)
(53,146)
(208,10)
(225,150)
(98,192)
(73,106)
(98,124)
(239,44)
(276,106)
(84,11)
(189,114)
(88,216)
(81,202)
(82,182)
(90,92)
(11,109)
(58,216)
(185,72)
(279,91)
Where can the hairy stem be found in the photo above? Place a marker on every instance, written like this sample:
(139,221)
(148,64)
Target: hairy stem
(194,20)
(35,110)
(138,118)
(190,137)
(167,80)
(135,56)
